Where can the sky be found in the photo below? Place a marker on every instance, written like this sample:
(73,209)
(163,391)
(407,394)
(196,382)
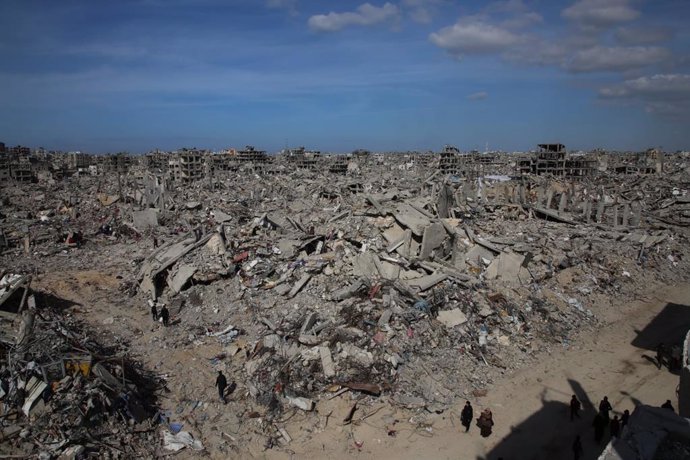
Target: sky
(133,75)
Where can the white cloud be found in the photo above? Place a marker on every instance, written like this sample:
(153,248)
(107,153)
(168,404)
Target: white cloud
(523,20)
(616,59)
(422,11)
(600,13)
(478,96)
(643,35)
(660,85)
(506,6)
(474,36)
(365,15)
(665,94)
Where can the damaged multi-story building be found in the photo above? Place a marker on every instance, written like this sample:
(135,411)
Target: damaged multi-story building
(187,165)
(15,163)
(302,158)
(553,159)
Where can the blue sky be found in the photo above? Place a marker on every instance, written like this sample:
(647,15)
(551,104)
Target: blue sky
(133,75)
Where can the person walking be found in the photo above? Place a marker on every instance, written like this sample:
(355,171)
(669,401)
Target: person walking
(575,406)
(624,418)
(605,408)
(615,427)
(599,425)
(466,416)
(165,315)
(577,448)
(485,422)
(221,383)
(660,354)
(154,312)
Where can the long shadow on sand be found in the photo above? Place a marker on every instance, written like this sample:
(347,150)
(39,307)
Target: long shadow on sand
(47,299)
(549,433)
(669,326)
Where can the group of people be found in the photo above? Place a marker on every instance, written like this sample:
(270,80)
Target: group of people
(163,315)
(670,356)
(602,421)
(485,422)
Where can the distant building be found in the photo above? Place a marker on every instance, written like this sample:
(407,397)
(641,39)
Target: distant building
(552,159)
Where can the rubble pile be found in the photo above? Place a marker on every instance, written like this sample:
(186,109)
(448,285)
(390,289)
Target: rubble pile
(390,282)
(65,395)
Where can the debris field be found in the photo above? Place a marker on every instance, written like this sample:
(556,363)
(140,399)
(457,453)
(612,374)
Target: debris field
(323,294)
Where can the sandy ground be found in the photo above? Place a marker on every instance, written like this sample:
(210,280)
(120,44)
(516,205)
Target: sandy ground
(530,407)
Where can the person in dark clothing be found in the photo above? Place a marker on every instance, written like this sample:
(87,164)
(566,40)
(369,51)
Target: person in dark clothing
(485,422)
(577,448)
(668,405)
(676,359)
(155,242)
(165,315)
(575,406)
(624,418)
(154,312)
(599,425)
(221,383)
(466,416)
(660,354)
(605,408)
(615,427)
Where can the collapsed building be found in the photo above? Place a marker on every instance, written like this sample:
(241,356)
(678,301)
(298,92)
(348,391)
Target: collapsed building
(395,279)
(553,159)
(62,393)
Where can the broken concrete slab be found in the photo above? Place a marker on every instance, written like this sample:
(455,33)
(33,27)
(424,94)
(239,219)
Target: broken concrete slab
(452,318)
(145,219)
(299,285)
(348,291)
(365,264)
(220,217)
(411,218)
(181,277)
(434,236)
(505,267)
(426,282)
(388,270)
(477,254)
(363,357)
(327,362)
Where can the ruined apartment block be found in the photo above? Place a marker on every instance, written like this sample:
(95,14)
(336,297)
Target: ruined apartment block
(157,161)
(303,159)
(639,163)
(19,161)
(116,163)
(553,159)
(187,166)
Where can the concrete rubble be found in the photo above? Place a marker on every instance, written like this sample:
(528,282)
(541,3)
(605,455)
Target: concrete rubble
(63,393)
(399,279)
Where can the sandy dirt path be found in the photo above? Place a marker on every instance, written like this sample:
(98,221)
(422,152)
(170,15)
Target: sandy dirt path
(531,407)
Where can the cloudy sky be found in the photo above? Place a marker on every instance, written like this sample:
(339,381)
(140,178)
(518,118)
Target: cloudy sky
(134,75)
